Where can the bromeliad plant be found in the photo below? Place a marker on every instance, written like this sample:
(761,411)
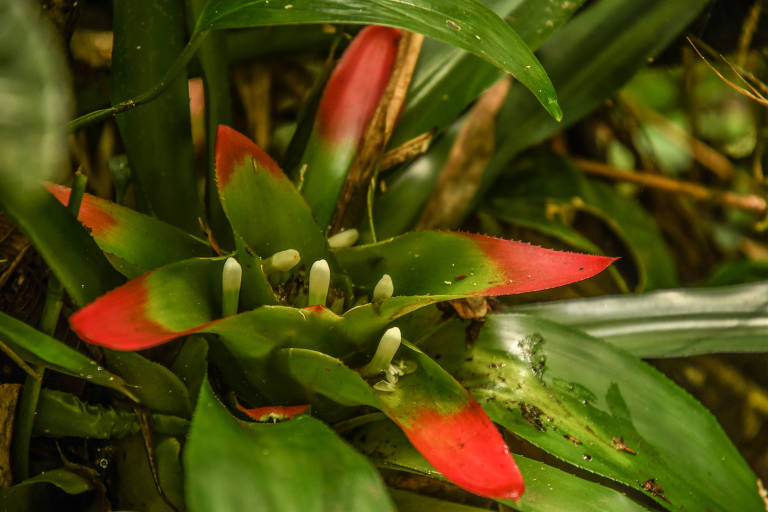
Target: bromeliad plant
(299,315)
(258,355)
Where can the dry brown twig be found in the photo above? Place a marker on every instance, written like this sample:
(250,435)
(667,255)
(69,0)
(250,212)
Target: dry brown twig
(381,126)
(750,202)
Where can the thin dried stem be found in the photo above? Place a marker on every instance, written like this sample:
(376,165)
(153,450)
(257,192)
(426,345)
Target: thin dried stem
(751,203)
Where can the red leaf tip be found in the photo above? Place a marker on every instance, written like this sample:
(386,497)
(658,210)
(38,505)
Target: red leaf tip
(92,213)
(357,83)
(273,412)
(528,268)
(232,148)
(467,449)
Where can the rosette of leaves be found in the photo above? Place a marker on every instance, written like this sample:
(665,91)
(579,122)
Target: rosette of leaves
(309,316)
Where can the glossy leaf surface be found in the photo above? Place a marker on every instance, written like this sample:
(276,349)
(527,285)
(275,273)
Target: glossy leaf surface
(297,465)
(439,417)
(616,416)
(469,25)
(443,263)
(671,323)
(260,201)
(447,78)
(546,488)
(136,243)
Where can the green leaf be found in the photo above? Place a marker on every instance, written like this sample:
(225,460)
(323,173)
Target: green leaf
(461,264)
(469,25)
(438,415)
(671,323)
(153,384)
(62,414)
(447,79)
(601,409)
(297,465)
(36,347)
(546,488)
(35,493)
(134,242)
(251,186)
(149,36)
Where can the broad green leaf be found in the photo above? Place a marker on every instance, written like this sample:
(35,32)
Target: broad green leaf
(63,478)
(36,347)
(297,465)
(461,264)
(671,323)
(156,387)
(149,36)
(737,272)
(447,79)
(62,414)
(601,409)
(469,25)
(134,242)
(191,365)
(438,415)
(261,203)
(546,488)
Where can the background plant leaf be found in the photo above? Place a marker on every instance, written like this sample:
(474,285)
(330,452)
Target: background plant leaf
(265,466)
(671,323)
(470,26)
(614,415)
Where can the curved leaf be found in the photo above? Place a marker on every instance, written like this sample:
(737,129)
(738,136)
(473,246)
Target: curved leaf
(601,409)
(297,465)
(447,79)
(136,243)
(34,346)
(344,113)
(148,37)
(546,488)
(260,201)
(462,264)
(468,24)
(439,417)
(671,323)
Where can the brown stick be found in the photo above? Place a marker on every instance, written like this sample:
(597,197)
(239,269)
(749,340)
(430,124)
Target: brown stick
(381,125)
(750,202)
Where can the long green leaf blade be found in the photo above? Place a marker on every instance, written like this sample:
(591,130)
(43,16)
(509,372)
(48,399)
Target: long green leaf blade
(671,323)
(601,409)
(467,24)
(39,348)
(298,465)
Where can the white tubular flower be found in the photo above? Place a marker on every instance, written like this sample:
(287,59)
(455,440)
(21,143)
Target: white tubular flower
(386,350)
(344,239)
(384,288)
(231,279)
(319,281)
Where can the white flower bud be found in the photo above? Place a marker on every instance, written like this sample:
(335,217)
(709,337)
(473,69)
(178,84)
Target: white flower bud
(386,350)
(384,288)
(281,261)
(231,279)
(319,281)
(344,239)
